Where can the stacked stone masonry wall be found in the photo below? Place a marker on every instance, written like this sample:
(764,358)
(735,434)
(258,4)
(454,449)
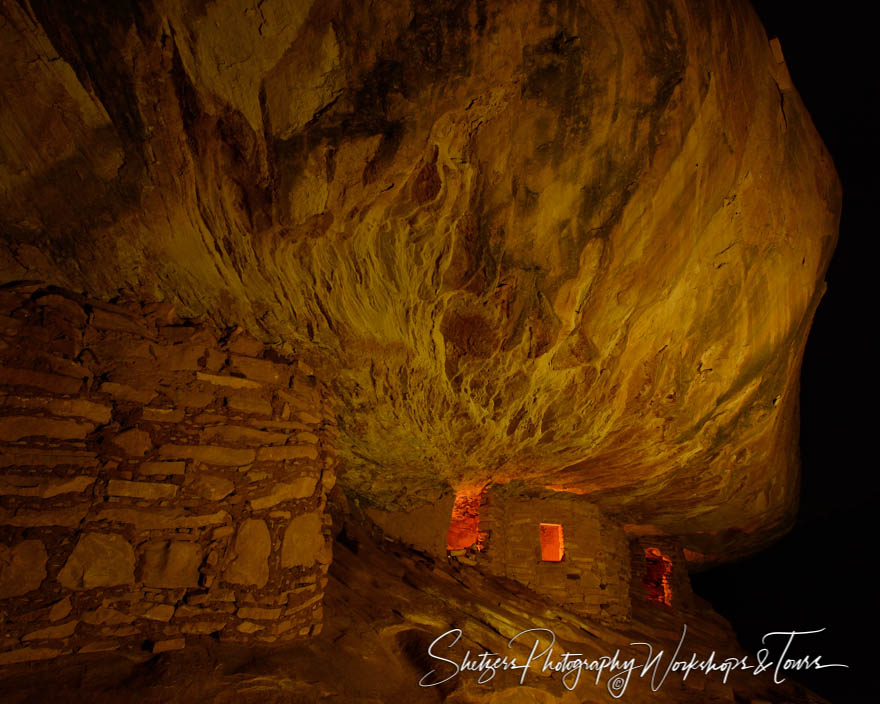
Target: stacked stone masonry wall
(594,575)
(679,578)
(423,528)
(158,481)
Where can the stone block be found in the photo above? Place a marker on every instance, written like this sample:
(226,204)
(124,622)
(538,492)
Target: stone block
(212,488)
(28,655)
(113,349)
(250,560)
(188,610)
(13,428)
(124,392)
(163,468)
(46,457)
(179,357)
(258,614)
(328,480)
(171,329)
(188,397)
(119,322)
(134,442)
(43,487)
(249,627)
(304,542)
(98,560)
(171,564)
(100,646)
(10,376)
(242,434)
(160,612)
(232,382)
(120,631)
(62,365)
(246,345)
(202,627)
(261,370)
(64,630)
(300,488)
(105,616)
(163,646)
(250,404)
(161,519)
(140,490)
(30,518)
(223,596)
(284,626)
(70,309)
(305,604)
(22,568)
(280,424)
(163,415)
(60,609)
(287,452)
(214,360)
(78,408)
(302,396)
(209,454)
(204,420)
(137,374)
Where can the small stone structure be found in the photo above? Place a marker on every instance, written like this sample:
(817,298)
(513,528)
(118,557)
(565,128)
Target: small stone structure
(593,574)
(424,527)
(643,556)
(157,481)
(556,543)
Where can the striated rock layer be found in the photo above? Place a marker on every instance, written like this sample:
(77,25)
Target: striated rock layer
(577,244)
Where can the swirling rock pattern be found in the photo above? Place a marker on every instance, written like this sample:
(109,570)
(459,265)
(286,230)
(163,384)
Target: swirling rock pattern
(577,244)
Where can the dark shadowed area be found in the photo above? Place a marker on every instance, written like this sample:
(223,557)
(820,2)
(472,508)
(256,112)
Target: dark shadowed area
(806,581)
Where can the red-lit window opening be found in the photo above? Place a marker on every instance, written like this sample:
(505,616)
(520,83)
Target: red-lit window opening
(464,524)
(658,567)
(552,544)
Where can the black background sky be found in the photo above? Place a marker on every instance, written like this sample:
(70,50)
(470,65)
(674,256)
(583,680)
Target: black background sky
(822,574)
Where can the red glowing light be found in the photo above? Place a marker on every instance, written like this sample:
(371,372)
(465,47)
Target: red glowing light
(552,544)
(658,567)
(464,524)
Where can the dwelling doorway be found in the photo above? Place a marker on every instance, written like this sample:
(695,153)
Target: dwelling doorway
(464,524)
(552,542)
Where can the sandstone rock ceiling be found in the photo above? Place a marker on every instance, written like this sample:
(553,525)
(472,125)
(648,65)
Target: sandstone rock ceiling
(577,244)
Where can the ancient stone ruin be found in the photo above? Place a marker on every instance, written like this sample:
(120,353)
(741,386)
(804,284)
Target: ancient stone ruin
(328,327)
(157,481)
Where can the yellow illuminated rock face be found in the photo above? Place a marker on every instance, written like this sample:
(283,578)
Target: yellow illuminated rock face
(578,245)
